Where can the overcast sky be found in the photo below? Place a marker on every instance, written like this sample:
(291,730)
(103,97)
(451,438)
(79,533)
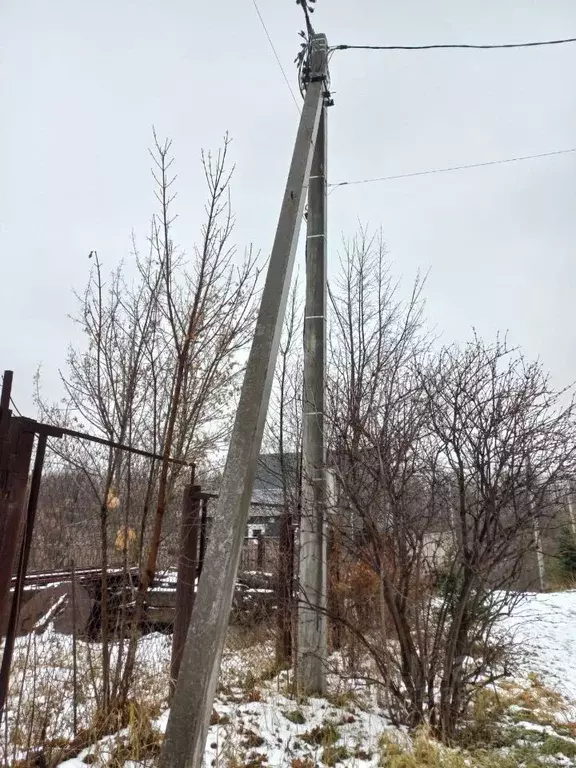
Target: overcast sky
(82,83)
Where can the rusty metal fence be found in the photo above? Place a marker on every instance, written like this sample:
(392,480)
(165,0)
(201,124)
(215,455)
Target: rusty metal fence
(76,514)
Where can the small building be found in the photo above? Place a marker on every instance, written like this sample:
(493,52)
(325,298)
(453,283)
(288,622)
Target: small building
(275,476)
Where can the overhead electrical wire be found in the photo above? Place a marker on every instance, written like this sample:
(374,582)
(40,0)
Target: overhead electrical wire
(274,51)
(451,169)
(444,46)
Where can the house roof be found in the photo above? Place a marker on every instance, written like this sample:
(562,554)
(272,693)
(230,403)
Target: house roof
(267,492)
(272,496)
(271,469)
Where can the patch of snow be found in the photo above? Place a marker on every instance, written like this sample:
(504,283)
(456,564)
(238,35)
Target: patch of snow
(544,626)
(46,619)
(264,574)
(360,730)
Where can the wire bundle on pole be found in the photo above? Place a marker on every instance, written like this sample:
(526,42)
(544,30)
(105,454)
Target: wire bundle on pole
(303,57)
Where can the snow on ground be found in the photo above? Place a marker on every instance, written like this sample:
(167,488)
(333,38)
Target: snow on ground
(358,727)
(259,720)
(544,626)
(282,731)
(41,692)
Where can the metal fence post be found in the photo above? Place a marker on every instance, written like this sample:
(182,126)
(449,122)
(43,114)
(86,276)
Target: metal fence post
(6,392)
(260,551)
(20,478)
(16,442)
(187,572)
(203,534)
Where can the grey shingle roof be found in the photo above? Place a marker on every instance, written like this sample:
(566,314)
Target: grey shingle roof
(269,470)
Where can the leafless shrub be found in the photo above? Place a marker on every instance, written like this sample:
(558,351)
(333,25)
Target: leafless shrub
(447,464)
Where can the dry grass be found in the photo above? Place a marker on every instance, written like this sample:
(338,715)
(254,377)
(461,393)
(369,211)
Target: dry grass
(39,715)
(493,737)
(42,702)
(138,740)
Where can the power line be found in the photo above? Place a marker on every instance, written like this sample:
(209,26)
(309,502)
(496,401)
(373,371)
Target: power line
(450,46)
(452,168)
(265,28)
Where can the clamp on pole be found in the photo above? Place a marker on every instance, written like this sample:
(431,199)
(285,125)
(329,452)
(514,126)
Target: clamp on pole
(315,65)
(318,59)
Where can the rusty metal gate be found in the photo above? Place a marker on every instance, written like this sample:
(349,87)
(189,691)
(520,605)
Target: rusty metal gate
(23,453)
(50,548)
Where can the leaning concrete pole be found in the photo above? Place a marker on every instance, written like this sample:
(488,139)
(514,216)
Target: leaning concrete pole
(187,727)
(312,634)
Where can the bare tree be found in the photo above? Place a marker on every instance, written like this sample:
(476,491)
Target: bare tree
(377,423)
(208,320)
(105,387)
(160,370)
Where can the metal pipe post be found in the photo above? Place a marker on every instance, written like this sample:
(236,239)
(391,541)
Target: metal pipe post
(74,651)
(203,534)
(187,573)
(6,392)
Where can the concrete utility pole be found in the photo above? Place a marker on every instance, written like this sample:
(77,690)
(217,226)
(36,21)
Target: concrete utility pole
(187,727)
(312,634)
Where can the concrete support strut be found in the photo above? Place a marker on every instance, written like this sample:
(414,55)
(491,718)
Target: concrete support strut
(188,722)
(312,631)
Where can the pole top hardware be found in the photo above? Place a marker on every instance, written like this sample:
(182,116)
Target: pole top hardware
(313,62)
(318,58)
